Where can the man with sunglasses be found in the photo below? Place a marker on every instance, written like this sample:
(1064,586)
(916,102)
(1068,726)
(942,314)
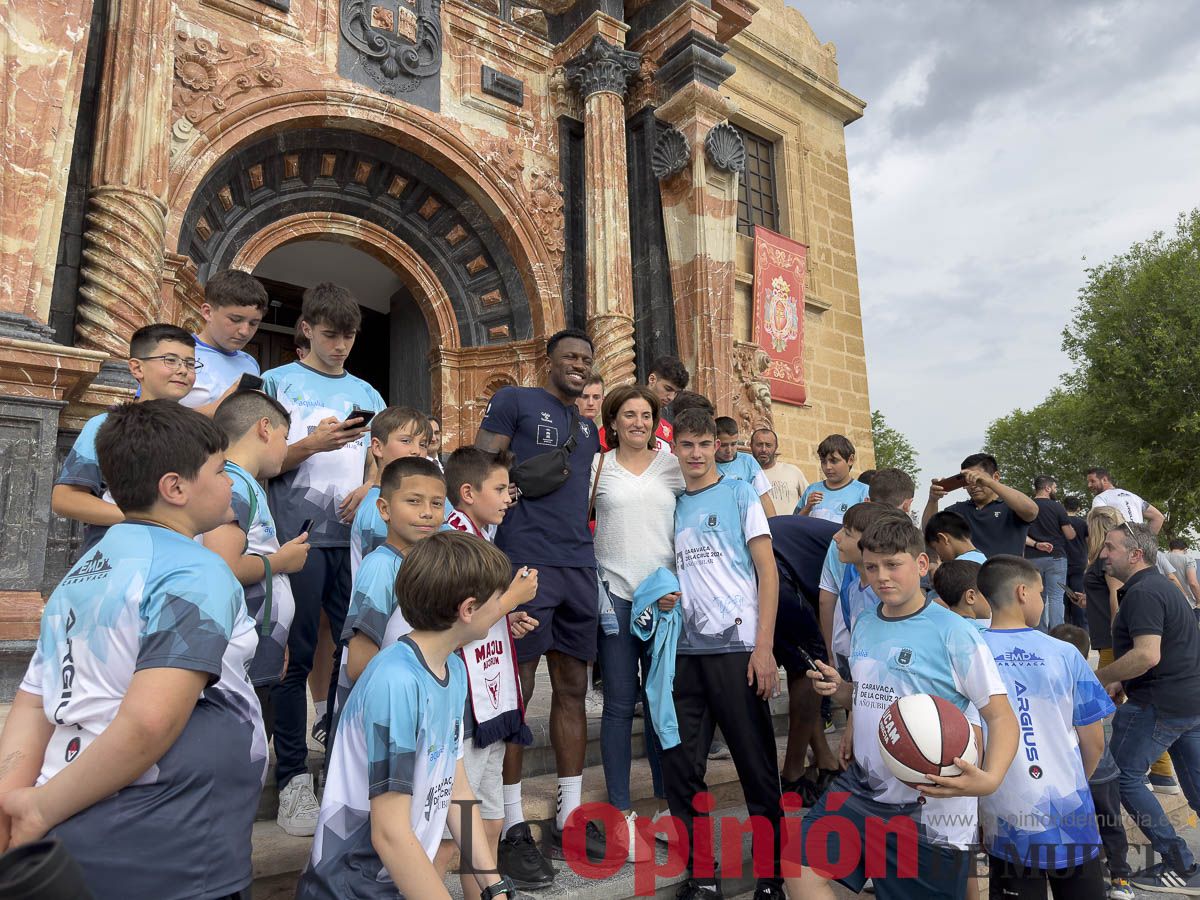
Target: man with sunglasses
(1157,667)
(162,360)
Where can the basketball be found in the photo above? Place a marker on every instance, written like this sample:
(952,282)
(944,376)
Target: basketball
(921,735)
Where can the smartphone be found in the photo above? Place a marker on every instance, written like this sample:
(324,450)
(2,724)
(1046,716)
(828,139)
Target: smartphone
(250,382)
(953,483)
(308,526)
(365,414)
(808,661)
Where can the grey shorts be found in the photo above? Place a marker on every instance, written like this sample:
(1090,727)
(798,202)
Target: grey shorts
(485,774)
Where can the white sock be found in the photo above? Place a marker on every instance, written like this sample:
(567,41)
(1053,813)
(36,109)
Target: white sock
(513,814)
(319,706)
(570,792)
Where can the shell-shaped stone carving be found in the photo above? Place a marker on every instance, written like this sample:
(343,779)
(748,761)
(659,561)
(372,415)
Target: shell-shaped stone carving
(671,153)
(725,148)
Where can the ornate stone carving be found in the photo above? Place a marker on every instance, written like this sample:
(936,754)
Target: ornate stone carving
(395,47)
(208,75)
(752,402)
(725,148)
(563,100)
(505,155)
(602,67)
(671,153)
(546,204)
(612,335)
(644,90)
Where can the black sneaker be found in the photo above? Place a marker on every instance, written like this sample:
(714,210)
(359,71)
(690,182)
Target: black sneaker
(694,890)
(594,843)
(521,860)
(320,730)
(1164,879)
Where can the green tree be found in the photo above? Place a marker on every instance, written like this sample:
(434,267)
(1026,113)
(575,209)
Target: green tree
(892,449)
(1135,341)
(1053,438)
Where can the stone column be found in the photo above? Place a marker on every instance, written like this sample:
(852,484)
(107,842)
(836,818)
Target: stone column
(123,244)
(601,73)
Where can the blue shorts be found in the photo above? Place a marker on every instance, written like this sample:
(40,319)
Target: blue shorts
(568,613)
(940,872)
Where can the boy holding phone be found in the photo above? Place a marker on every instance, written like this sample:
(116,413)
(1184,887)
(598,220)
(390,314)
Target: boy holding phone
(234,305)
(998,515)
(322,479)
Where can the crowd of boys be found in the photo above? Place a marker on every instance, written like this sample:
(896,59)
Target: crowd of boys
(284,512)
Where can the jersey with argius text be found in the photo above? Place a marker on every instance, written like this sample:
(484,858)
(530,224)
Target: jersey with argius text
(401,732)
(146,597)
(1042,814)
(316,487)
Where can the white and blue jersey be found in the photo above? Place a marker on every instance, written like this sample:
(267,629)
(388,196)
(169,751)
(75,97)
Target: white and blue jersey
(367,531)
(219,369)
(272,613)
(1042,814)
(854,598)
(81,468)
(719,585)
(373,610)
(931,651)
(316,487)
(834,503)
(401,732)
(146,597)
(744,467)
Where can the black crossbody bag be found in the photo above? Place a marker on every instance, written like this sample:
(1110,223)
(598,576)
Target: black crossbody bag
(547,472)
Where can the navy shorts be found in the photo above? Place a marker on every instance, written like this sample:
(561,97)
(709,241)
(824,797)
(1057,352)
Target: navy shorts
(796,625)
(568,612)
(940,872)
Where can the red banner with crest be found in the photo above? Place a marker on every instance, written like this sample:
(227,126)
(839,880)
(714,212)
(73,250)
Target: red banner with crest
(780,268)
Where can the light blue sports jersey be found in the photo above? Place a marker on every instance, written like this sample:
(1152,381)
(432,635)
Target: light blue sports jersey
(220,369)
(854,598)
(973,556)
(373,611)
(834,504)
(146,597)
(1042,814)
(367,531)
(744,467)
(316,487)
(401,732)
(81,468)
(932,651)
(719,585)
(272,620)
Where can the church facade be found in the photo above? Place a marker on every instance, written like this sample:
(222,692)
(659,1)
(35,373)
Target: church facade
(481,172)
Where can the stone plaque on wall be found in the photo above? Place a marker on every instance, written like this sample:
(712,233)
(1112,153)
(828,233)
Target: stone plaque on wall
(27,461)
(394,47)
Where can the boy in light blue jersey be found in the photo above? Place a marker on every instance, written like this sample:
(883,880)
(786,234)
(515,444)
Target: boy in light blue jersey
(322,480)
(830,498)
(909,645)
(1040,825)
(396,776)
(955,584)
(741,466)
(233,307)
(162,360)
(257,427)
(725,670)
(396,433)
(949,535)
(138,677)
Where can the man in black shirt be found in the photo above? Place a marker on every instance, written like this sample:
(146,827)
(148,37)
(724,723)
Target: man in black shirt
(1077,552)
(1046,548)
(1157,649)
(999,515)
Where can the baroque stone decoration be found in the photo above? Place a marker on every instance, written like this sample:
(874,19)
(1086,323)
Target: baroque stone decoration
(393,47)
(752,402)
(725,148)
(602,67)
(208,75)
(671,153)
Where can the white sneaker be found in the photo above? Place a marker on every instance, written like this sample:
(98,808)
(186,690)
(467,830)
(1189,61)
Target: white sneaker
(593,704)
(631,824)
(298,807)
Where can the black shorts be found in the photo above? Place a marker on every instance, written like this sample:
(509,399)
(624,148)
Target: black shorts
(567,608)
(1007,879)
(796,625)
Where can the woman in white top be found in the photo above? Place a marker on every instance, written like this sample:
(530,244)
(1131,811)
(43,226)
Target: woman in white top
(635,534)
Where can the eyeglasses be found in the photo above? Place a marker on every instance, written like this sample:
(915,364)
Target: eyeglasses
(171,361)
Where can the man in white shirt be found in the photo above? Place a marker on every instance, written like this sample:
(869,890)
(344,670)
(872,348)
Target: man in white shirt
(1130,505)
(787,481)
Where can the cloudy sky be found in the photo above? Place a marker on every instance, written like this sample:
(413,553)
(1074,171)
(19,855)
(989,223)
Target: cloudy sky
(1004,142)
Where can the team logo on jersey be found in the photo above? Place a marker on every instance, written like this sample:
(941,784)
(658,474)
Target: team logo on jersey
(95,568)
(996,514)
(1018,657)
(904,657)
(1035,772)
(712,521)
(842,509)
(546,417)
(492,682)
(586,429)
(72,749)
